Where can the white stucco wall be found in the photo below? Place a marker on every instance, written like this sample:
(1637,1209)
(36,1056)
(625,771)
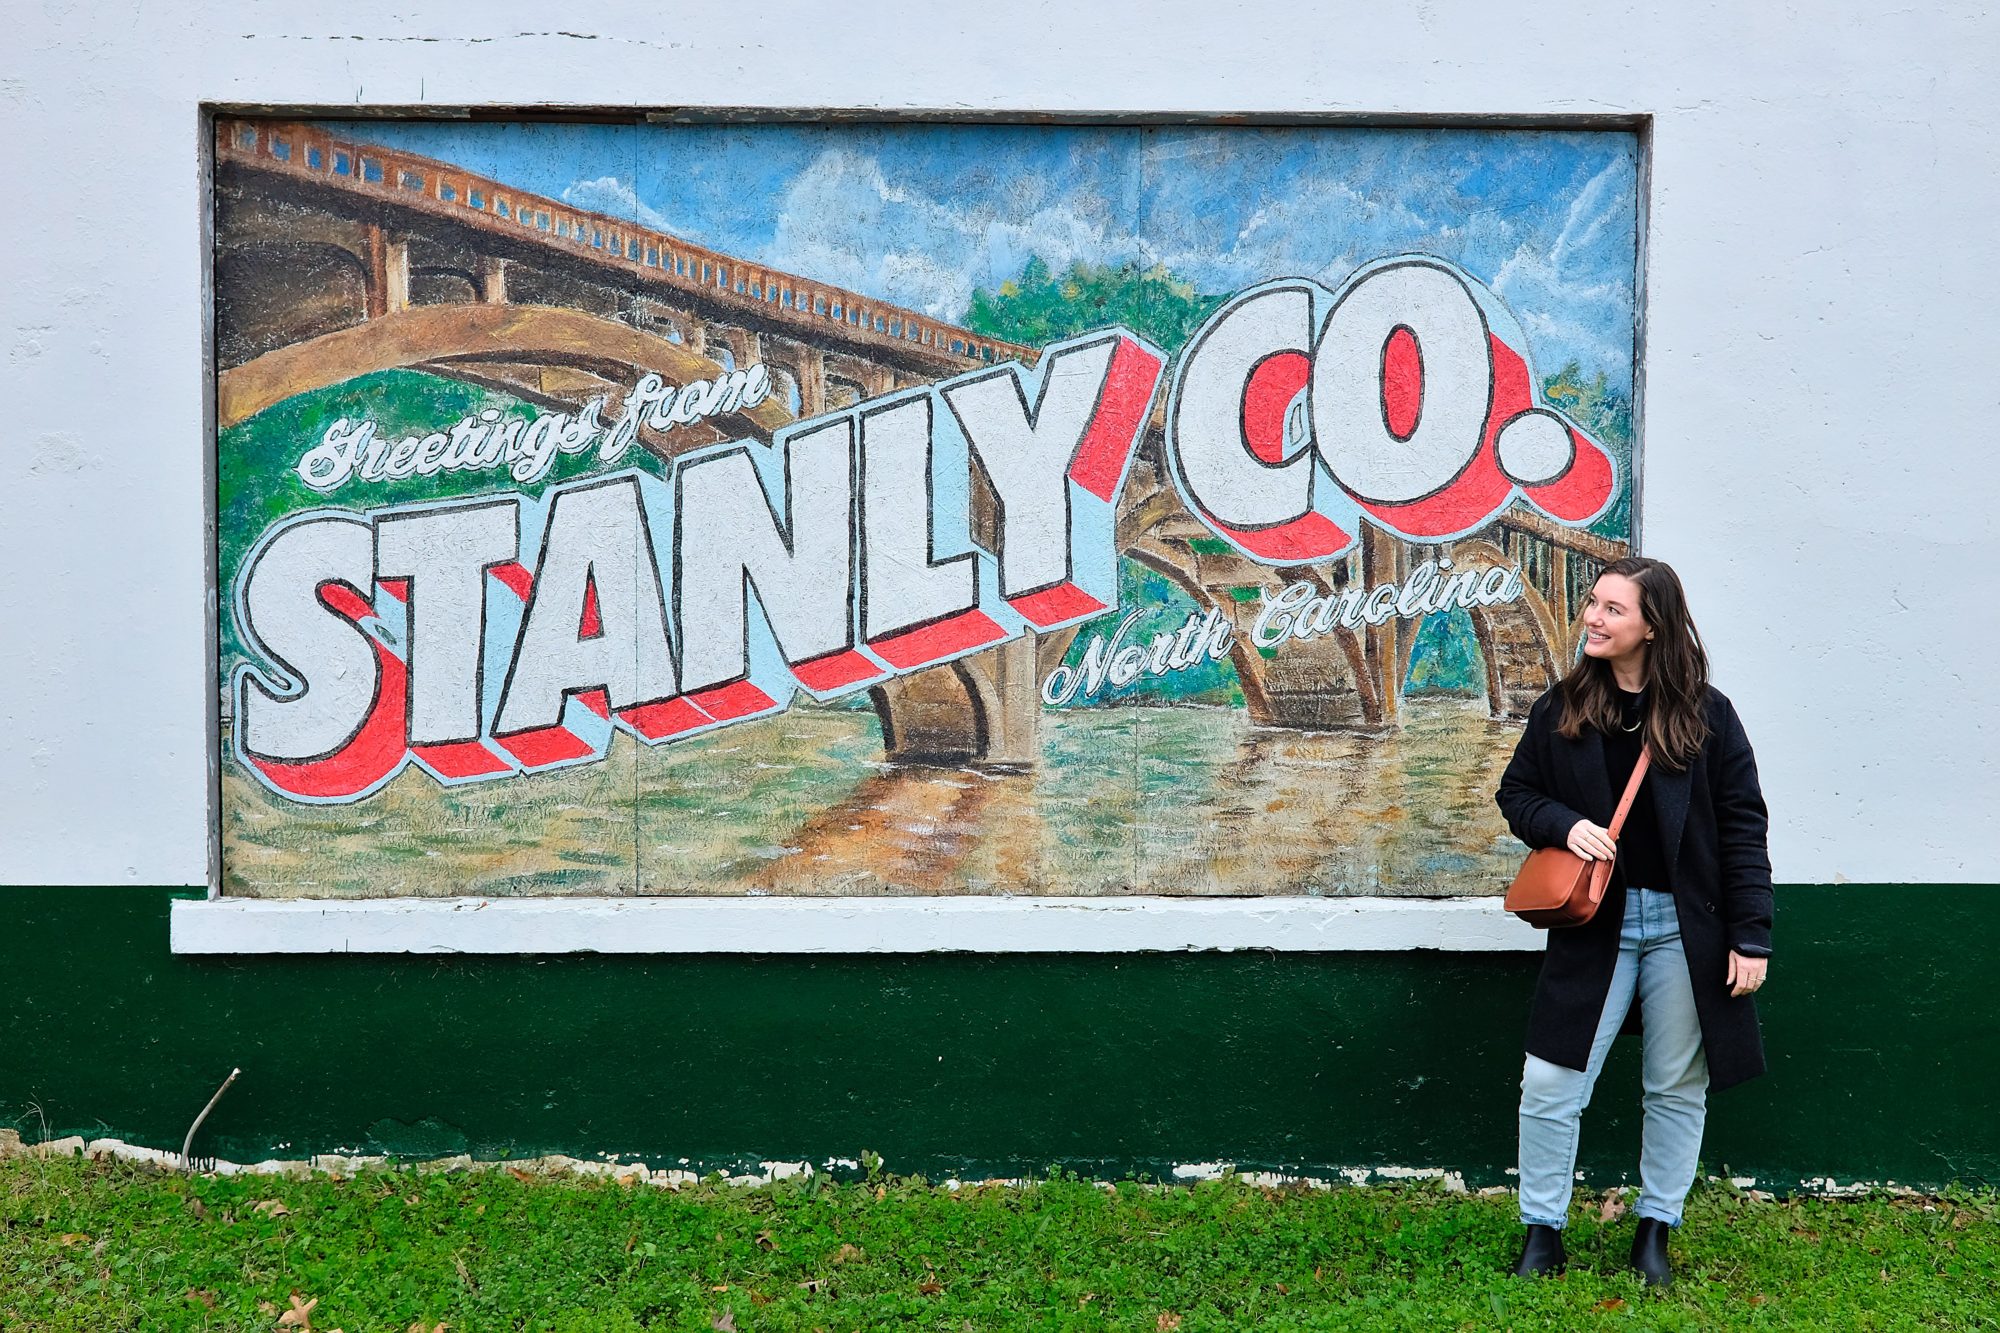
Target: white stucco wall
(1823,304)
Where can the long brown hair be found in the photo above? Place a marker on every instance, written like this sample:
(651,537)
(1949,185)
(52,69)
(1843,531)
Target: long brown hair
(1676,673)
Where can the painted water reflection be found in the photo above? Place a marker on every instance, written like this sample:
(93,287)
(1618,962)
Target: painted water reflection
(1207,804)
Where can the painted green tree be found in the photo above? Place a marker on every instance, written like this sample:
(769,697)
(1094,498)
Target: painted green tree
(1040,306)
(1605,412)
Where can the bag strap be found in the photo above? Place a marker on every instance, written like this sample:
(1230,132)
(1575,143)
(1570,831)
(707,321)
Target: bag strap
(1600,871)
(1631,791)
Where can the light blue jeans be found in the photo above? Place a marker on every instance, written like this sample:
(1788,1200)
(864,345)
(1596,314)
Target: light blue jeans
(1652,966)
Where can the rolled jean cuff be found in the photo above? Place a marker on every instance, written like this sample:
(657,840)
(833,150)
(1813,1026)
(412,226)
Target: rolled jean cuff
(1530,1221)
(1658,1215)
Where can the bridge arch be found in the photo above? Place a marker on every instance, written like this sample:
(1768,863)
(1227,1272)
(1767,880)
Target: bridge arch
(469,338)
(533,286)
(242,228)
(842,392)
(801,369)
(938,716)
(1519,640)
(284,291)
(1316,684)
(785,388)
(983,709)
(440,284)
(730,347)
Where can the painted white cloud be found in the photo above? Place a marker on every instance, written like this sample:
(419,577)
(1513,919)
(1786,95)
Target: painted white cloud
(612,195)
(843,221)
(1568,291)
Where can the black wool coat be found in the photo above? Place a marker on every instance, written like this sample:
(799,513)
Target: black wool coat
(1713,827)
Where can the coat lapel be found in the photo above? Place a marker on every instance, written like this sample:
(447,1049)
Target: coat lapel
(1595,774)
(1670,805)
(1670,791)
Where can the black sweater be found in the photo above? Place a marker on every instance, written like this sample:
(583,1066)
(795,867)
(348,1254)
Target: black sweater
(1642,861)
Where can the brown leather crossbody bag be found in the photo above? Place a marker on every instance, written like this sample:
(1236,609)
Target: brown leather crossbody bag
(1555,886)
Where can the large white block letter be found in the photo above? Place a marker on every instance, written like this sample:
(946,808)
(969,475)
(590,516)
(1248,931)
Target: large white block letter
(443,555)
(330,664)
(596,540)
(795,548)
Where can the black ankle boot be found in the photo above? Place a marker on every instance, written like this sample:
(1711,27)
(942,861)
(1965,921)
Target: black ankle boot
(1649,1252)
(1541,1253)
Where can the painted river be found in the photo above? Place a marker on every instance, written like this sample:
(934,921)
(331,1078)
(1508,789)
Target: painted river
(1155,800)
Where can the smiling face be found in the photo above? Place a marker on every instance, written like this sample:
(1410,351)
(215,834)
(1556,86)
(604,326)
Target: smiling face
(1614,628)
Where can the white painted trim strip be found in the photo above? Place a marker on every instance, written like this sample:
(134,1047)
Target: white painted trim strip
(849,925)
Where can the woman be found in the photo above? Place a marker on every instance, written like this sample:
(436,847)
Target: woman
(1685,925)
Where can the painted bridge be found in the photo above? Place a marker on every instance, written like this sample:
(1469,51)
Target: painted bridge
(336,259)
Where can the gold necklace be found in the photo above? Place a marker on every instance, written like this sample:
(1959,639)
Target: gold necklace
(1638,714)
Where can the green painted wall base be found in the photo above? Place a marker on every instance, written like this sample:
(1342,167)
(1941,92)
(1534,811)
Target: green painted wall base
(1879,1019)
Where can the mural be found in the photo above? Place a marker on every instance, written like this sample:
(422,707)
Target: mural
(919,509)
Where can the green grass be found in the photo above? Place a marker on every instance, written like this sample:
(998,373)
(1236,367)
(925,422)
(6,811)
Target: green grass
(100,1246)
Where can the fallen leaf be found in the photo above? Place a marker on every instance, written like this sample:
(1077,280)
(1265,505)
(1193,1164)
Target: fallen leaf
(1284,1290)
(723,1287)
(1759,1298)
(300,1315)
(881,1193)
(273,1207)
(1167,1322)
(725,1322)
(847,1253)
(265,1307)
(1611,1209)
(525,1177)
(198,1208)
(765,1240)
(202,1294)
(930,1286)
(1085,1299)
(1610,1304)
(69,1238)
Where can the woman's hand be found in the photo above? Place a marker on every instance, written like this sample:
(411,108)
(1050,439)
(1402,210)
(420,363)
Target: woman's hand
(1590,842)
(1745,973)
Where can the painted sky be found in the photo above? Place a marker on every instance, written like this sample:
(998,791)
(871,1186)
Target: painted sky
(921,215)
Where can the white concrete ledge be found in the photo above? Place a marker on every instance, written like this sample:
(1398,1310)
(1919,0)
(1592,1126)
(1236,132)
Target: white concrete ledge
(850,925)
